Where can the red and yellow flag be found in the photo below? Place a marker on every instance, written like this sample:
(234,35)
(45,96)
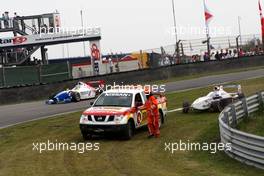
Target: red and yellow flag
(262,21)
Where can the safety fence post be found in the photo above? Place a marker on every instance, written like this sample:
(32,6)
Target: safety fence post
(69,70)
(261,101)
(245,107)
(234,117)
(226,118)
(39,74)
(3,76)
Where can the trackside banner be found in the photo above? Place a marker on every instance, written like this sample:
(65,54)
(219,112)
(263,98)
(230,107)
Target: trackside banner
(50,38)
(95,49)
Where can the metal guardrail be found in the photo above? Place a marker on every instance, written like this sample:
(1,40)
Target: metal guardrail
(246,148)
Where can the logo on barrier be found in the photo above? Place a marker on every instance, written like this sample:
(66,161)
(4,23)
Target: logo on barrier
(95,52)
(19,40)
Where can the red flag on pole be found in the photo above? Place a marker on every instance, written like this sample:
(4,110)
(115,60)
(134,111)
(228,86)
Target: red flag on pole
(262,21)
(207,14)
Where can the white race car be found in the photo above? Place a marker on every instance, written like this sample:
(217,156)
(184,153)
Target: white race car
(81,91)
(216,100)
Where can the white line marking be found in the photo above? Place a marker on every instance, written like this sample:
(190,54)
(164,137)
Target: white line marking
(175,110)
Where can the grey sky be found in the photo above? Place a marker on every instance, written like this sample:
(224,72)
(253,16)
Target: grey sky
(131,25)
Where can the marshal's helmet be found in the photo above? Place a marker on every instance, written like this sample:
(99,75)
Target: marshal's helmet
(148,92)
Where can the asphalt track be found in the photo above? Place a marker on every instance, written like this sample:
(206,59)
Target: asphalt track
(19,113)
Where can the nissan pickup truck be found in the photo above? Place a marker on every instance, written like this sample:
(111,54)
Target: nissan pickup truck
(120,112)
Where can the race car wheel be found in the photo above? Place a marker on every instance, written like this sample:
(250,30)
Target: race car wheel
(225,102)
(76,97)
(129,131)
(216,107)
(55,100)
(185,107)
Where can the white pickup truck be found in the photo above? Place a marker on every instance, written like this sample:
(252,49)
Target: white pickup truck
(120,111)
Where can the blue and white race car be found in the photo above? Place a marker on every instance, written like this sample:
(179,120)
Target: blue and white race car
(81,91)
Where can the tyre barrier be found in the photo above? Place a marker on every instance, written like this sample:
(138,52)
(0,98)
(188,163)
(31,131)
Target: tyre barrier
(246,148)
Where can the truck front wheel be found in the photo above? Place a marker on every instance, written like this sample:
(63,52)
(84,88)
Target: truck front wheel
(161,119)
(129,131)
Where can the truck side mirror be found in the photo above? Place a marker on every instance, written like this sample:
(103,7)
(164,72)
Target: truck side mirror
(91,103)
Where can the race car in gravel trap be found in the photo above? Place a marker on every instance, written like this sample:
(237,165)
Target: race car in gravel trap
(81,91)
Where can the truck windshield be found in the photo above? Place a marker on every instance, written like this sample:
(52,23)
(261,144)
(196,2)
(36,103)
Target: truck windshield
(115,99)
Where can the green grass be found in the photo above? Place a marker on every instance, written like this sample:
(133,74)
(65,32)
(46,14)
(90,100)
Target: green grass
(254,124)
(139,156)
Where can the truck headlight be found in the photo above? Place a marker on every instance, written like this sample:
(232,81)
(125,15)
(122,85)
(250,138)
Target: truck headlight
(84,118)
(119,118)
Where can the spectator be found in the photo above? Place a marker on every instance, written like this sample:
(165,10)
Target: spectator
(217,56)
(241,52)
(80,72)
(235,54)
(260,51)
(206,57)
(228,54)
(221,55)
(111,65)
(35,61)
(1,19)
(117,67)
(194,58)
(225,54)
(34,29)
(212,56)
(167,60)
(42,29)
(256,51)
(6,19)
(46,28)
(23,26)
(15,23)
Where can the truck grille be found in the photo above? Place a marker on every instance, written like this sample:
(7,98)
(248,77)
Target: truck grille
(111,118)
(90,118)
(99,118)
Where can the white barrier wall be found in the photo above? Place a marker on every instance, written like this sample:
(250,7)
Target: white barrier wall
(85,70)
(80,71)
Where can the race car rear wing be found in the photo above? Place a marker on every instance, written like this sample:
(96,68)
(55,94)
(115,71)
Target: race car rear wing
(97,85)
(233,86)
